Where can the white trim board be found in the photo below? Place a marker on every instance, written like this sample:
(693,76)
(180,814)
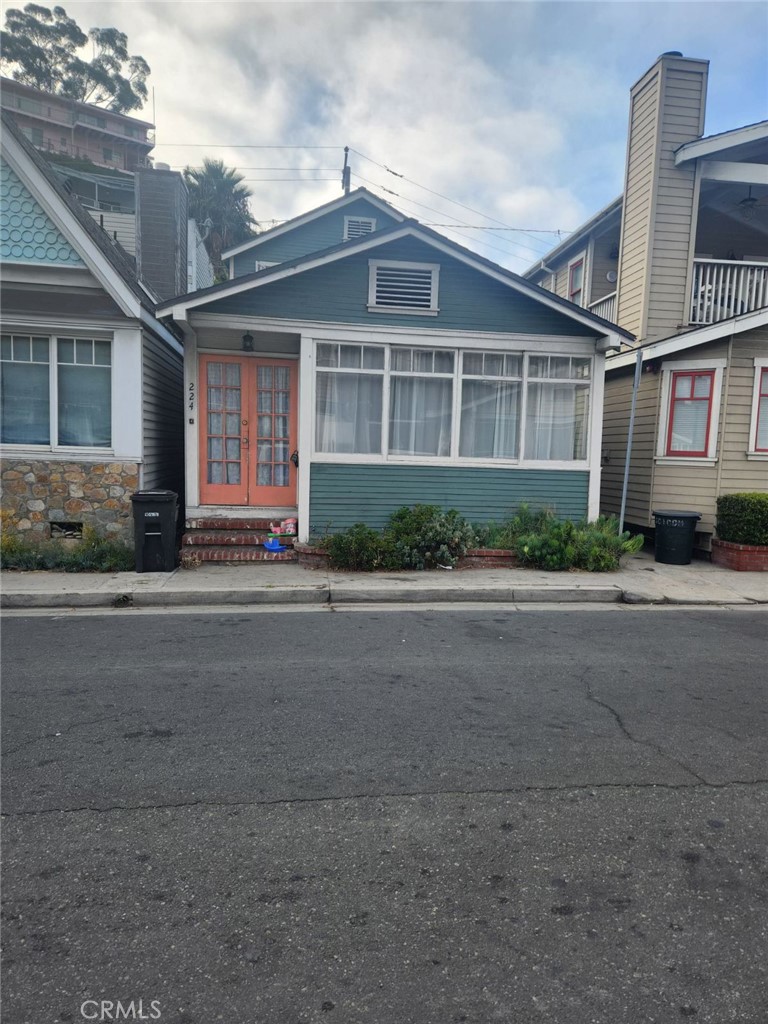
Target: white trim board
(700,336)
(725,140)
(180,310)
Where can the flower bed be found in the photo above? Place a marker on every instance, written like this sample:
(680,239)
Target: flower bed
(741,557)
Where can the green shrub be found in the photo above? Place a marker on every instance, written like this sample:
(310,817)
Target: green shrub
(743,518)
(92,554)
(595,546)
(424,536)
(505,535)
(421,537)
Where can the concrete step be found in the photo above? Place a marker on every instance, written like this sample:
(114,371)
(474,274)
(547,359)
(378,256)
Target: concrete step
(218,538)
(240,553)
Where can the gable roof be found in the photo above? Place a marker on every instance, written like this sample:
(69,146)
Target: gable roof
(711,144)
(108,263)
(690,339)
(180,306)
(576,236)
(307,218)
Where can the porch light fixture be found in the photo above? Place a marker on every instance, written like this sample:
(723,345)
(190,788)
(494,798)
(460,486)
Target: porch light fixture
(247,342)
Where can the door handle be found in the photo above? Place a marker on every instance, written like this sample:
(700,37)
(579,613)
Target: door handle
(295,458)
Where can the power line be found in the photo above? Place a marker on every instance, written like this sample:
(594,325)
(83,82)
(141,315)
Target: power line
(396,174)
(506,252)
(232,145)
(486,227)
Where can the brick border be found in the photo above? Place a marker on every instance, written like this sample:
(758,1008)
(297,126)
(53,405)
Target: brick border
(740,557)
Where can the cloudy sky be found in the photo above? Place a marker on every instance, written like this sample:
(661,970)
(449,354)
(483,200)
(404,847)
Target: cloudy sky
(499,115)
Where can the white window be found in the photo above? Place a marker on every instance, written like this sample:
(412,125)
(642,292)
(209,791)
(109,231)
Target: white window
(576,282)
(56,391)
(491,390)
(557,409)
(356,227)
(420,401)
(348,398)
(396,287)
(396,402)
(690,409)
(758,433)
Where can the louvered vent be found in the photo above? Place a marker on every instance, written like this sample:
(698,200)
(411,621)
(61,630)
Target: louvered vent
(356,227)
(405,286)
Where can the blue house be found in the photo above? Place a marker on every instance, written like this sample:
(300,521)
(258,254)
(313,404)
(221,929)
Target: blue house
(357,361)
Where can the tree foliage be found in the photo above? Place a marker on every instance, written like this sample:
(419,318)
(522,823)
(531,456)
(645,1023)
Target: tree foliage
(40,48)
(218,201)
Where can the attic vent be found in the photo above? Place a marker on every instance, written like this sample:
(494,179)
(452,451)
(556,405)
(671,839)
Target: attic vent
(356,227)
(403,287)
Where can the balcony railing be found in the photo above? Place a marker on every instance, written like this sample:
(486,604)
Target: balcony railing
(726,288)
(605,307)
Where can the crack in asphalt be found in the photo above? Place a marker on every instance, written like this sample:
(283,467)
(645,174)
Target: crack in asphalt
(634,739)
(407,794)
(62,732)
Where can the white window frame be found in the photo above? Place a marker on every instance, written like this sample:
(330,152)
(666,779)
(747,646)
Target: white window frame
(668,367)
(53,403)
(371,221)
(433,309)
(454,459)
(582,259)
(761,366)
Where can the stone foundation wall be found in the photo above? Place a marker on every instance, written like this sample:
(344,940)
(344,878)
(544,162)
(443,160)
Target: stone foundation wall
(38,493)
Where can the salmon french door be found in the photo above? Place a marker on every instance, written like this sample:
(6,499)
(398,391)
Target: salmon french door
(248,431)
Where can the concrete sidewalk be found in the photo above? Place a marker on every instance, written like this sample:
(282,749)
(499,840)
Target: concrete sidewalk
(639,581)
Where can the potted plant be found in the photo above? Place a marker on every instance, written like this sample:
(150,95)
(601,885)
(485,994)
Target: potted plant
(742,532)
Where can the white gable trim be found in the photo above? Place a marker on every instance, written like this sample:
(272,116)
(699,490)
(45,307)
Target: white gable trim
(70,227)
(702,336)
(726,140)
(307,218)
(237,286)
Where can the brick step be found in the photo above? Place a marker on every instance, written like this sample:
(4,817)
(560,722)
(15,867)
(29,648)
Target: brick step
(232,524)
(217,538)
(235,553)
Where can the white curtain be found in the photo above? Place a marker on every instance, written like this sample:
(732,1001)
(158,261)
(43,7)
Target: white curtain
(348,413)
(420,416)
(556,421)
(490,415)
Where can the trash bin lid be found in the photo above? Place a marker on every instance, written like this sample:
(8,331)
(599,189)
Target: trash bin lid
(676,513)
(154,496)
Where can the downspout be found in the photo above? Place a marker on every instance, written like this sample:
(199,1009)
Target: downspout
(630,432)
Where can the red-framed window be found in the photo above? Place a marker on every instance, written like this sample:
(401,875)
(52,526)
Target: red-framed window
(761,431)
(690,412)
(576,282)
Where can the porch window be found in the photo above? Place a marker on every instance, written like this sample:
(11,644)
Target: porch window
(421,400)
(491,387)
(690,413)
(760,416)
(349,398)
(557,416)
(56,392)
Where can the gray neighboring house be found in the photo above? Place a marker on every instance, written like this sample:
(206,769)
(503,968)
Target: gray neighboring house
(681,261)
(91,381)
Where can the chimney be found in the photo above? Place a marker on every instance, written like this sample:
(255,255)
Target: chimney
(161,231)
(658,226)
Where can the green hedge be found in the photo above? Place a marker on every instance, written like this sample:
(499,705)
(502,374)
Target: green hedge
(91,554)
(743,518)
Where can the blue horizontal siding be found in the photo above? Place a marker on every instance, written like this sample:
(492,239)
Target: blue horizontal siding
(338,291)
(313,237)
(342,495)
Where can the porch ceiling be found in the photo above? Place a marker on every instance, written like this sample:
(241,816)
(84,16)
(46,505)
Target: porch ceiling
(231,340)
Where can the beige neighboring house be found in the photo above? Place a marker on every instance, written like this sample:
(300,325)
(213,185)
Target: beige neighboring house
(681,261)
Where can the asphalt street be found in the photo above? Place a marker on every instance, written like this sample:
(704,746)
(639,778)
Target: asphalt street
(388,817)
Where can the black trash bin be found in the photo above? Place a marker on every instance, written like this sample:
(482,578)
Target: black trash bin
(154,530)
(674,535)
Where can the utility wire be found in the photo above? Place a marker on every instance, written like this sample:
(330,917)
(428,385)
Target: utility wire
(506,252)
(396,174)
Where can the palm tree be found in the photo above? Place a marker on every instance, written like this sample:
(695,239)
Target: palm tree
(219,200)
